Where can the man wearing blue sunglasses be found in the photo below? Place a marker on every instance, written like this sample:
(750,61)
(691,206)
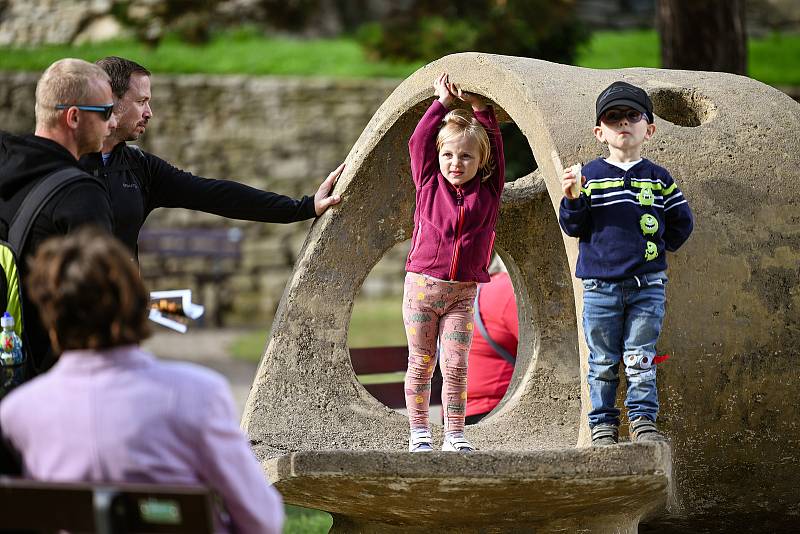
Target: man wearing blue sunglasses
(140,182)
(73,117)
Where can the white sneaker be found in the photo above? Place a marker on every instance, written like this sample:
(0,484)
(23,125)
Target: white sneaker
(457,444)
(420,442)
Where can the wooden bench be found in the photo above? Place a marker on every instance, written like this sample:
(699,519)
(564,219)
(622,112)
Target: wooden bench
(43,507)
(206,255)
(390,363)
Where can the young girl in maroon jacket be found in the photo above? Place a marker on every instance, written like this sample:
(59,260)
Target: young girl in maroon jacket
(458,170)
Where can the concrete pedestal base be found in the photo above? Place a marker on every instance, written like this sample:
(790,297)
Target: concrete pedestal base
(598,490)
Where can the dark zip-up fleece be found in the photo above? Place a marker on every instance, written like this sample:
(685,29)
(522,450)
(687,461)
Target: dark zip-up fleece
(453,226)
(24,160)
(139,182)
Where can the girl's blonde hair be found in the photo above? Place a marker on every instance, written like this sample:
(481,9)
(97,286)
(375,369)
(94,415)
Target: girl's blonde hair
(461,122)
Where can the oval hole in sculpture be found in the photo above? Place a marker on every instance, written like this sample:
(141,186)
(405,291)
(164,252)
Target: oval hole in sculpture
(519,158)
(379,349)
(683,107)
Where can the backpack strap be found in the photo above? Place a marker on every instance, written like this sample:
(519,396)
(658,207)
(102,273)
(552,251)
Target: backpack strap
(482,329)
(36,199)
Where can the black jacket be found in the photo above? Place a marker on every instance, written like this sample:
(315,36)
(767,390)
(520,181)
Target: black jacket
(139,182)
(24,160)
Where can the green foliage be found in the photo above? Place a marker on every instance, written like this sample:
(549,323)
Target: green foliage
(545,29)
(152,21)
(435,37)
(290,15)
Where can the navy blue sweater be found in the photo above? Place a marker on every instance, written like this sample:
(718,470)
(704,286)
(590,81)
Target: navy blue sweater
(625,220)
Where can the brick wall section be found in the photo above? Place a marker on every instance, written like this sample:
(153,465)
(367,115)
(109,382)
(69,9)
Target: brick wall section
(279,134)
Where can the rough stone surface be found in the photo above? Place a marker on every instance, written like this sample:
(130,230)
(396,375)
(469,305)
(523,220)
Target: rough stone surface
(728,392)
(568,490)
(32,22)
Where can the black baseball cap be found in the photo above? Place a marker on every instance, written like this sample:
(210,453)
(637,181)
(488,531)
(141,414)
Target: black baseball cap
(624,94)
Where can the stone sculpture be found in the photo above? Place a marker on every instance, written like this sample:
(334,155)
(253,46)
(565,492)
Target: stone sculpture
(728,392)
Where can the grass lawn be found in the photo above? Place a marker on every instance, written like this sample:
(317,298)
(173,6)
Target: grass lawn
(615,50)
(374,323)
(773,59)
(228,53)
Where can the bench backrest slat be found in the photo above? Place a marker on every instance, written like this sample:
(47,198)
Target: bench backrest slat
(51,506)
(372,360)
(191,242)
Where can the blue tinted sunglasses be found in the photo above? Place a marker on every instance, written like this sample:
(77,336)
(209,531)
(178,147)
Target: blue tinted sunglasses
(105,110)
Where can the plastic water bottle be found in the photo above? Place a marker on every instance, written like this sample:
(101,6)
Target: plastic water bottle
(10,343)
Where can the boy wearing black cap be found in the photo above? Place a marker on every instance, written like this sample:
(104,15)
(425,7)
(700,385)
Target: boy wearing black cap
(627,214)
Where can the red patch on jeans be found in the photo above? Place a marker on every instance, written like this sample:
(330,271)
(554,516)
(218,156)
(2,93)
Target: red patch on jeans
(659,359)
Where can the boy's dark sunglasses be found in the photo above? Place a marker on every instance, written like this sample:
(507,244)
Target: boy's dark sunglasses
(613,116)
(105,110)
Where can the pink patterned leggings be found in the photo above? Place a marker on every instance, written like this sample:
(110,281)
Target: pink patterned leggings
(434,309)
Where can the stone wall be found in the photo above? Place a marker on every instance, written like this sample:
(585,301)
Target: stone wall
(279,134)
(30,22)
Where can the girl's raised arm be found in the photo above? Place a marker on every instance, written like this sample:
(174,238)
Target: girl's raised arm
(422,145)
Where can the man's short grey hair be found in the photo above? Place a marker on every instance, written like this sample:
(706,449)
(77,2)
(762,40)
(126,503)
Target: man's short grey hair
(67,81)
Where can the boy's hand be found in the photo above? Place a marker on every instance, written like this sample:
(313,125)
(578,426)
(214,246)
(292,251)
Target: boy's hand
(442,91)
(470,98)
(568,180)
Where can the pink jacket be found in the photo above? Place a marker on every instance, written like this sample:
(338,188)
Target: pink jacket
(123,416)
(453,226)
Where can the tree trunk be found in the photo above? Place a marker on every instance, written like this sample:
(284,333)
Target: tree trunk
(703,35)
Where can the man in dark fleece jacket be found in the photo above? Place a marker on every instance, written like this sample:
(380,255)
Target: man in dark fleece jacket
(73,117)
(139,182)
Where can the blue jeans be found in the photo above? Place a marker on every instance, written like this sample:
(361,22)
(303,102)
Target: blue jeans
(622,321)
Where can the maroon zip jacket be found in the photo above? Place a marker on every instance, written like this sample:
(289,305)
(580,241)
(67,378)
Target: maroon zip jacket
(453,226)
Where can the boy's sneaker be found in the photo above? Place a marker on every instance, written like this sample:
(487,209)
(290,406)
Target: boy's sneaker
(420,441)
(605,434)
(643,429)
(457,443)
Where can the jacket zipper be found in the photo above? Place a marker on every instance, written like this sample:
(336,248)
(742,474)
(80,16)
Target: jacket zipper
(489,254)
(459,224)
